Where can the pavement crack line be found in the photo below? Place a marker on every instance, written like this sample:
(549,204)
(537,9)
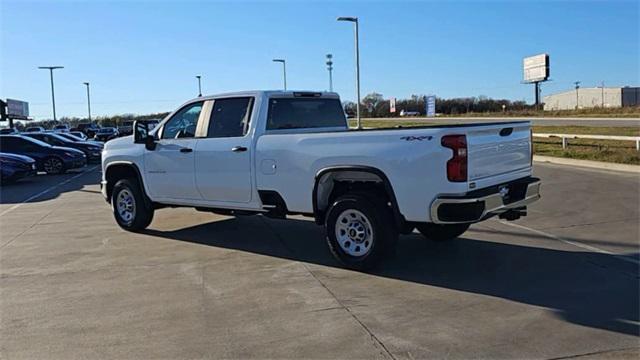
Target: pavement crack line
(573,243)
(589,224)
(341,305)
(27,229)
(602,352)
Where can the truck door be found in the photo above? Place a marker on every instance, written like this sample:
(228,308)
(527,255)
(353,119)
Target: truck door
(223,158)
(169,168)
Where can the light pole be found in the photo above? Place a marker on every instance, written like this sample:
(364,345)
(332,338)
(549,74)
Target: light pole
(88,100)
(577,83)
(355,21)
(284,71)
(330,68)
(199,85)
(53,97)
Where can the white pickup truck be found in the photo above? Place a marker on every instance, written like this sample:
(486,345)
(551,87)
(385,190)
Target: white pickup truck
(280,153)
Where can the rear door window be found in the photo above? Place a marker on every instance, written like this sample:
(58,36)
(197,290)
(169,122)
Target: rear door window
(230,117)
(300,113)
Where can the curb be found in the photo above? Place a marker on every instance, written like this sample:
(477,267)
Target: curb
(588,164)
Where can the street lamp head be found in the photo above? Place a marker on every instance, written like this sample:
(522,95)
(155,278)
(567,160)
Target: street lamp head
(86,83)
(50,67)
(348,18)
(278,60)
(198,76)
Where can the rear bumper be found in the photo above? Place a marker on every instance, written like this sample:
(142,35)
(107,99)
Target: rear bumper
(484,203)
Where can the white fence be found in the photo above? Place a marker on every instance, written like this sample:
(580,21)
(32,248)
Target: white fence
(565,138)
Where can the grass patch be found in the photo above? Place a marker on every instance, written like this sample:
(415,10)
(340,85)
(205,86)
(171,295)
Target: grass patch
(623,152)
(590,130)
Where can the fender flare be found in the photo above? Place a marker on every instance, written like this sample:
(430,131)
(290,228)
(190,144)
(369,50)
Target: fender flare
(319,215)
(139,178)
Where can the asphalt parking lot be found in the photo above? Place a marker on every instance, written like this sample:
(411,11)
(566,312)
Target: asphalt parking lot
(559,283)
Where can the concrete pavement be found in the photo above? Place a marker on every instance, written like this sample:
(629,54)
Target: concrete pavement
(561,282)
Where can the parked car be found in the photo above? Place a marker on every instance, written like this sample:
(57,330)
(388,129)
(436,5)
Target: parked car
(14,167)
(106,133)
(79,134)
(126,128)
(51,159)
(7,131)
(152,123)
(61,128)
(280,152)
(409,113)
(34,129)
(88,129)
(92,150)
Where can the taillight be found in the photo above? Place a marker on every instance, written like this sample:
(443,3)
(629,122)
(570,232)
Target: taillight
(457,165)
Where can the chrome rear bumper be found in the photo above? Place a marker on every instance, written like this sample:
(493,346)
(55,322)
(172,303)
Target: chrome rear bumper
(484,203)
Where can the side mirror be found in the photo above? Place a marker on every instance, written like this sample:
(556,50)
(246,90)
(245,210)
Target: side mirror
(141,135)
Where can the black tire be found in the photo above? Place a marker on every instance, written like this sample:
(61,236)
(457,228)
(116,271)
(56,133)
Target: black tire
(381,240)
(441,232)
(128,191)
(53,166)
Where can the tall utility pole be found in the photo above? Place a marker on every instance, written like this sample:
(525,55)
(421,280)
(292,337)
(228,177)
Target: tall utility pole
(577,83)
(354,20)
(88,100)
(330,68)
(199,85)
(284,71)
(53,97)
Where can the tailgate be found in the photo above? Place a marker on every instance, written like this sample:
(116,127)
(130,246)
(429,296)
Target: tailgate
(498,149)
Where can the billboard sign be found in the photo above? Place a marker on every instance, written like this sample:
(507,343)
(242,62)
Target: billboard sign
(392,105)
(535,68)
(17,109)
(430,104)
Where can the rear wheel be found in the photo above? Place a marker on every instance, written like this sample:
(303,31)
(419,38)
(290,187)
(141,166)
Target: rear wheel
(53,166)
(441,232)
(130,208)
(360,231)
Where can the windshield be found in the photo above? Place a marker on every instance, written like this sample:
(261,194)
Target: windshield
(106,130)
(299,113)
(71,137)
(39,142)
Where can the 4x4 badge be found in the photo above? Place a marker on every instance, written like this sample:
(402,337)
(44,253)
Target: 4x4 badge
(419,138)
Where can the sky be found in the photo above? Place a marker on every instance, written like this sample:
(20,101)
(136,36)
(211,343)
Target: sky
(142,56)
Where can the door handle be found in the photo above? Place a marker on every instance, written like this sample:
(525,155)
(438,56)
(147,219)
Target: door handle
(186,150)
(239,149)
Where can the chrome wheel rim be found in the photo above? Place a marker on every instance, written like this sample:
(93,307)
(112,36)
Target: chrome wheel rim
(126,205)
(52,165)
(354,233)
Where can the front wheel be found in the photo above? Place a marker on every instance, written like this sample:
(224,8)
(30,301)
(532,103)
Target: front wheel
(441,232)
(53,166)
(130,208)
(360,231)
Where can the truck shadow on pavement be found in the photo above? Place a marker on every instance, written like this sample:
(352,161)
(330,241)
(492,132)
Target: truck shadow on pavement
(585,288)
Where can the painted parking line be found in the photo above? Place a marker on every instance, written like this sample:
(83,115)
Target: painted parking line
(573,243)
(47,190)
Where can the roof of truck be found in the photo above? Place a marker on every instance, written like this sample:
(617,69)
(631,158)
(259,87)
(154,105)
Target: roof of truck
(270,93)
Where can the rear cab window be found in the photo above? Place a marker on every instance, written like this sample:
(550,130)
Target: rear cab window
(305,113)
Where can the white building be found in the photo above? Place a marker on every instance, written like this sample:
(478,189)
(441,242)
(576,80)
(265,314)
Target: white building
(607,97)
